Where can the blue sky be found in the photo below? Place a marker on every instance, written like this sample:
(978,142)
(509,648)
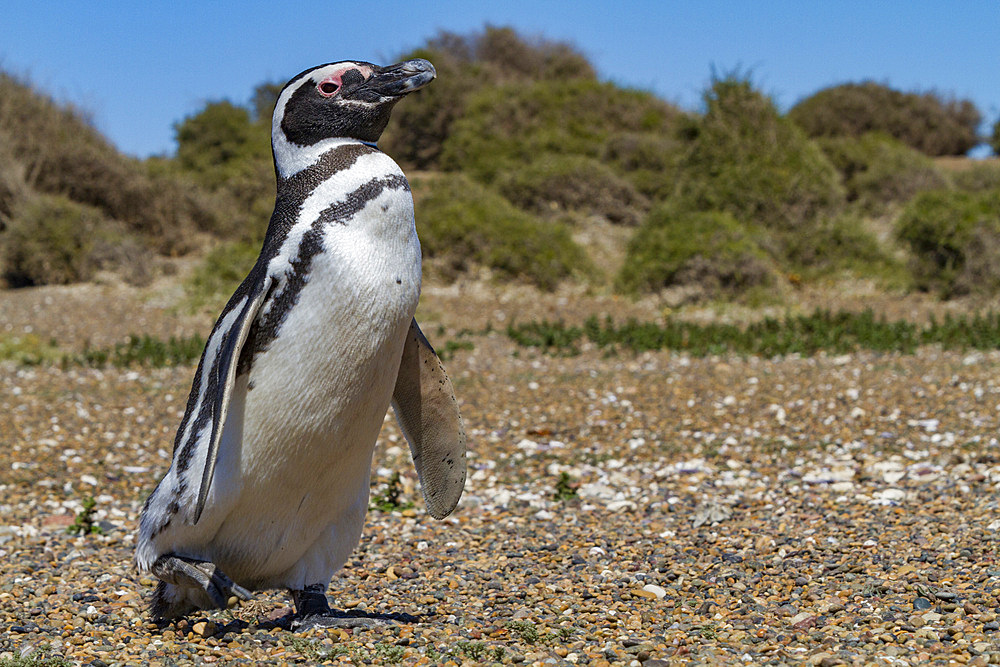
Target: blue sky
(138,67)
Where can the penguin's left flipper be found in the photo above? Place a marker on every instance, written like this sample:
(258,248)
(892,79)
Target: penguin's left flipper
(427,412)
(225,366)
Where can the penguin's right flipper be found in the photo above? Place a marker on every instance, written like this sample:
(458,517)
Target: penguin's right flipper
(225,366)
(427,412)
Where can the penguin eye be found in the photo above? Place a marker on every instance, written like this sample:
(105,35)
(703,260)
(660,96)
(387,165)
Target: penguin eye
(328,88)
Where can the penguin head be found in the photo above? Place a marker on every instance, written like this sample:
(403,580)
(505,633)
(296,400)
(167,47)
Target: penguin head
(345,100)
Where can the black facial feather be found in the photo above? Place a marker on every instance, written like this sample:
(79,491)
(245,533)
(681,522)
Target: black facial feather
(310,117)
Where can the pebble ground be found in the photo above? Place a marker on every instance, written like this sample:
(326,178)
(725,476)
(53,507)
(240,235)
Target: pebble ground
(620,510)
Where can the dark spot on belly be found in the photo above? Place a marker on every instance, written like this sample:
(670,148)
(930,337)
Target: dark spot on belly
(399,281)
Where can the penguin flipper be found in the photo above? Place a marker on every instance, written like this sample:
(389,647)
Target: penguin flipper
(225,369)
(427,412)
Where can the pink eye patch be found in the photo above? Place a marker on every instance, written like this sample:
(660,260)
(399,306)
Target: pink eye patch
(330,85)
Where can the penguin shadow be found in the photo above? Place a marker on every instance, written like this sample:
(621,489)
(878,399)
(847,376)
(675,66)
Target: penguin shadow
(336,618)
(291,622)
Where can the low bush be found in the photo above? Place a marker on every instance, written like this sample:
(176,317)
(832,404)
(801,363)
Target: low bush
(925,121)
(878,170)
(467,64)
(62,154)
(748,160)
(648,160)
(954,239)
(978,177)
(558,183)
(50,241)
(505,127)
(842,243)
(463,224)
(220,273)
(836,333)
(708,249)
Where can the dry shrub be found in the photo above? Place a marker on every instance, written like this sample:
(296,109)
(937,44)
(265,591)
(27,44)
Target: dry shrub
(62,154)
(928,122)
(51,240)
(979,177)
(558,183)
(649,160)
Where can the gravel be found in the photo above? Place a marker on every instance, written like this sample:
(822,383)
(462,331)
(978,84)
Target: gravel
(652,509)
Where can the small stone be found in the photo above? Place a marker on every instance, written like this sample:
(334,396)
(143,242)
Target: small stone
(643,593)
(921,603)
(992,626)
(204,628)
(659,592)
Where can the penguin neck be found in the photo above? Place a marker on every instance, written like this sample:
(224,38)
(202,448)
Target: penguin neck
(290,159)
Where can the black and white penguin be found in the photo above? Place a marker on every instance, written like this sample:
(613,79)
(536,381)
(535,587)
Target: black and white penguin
(268,486)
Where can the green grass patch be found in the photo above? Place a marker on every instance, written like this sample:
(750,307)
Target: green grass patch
(29,350)
(145,351)
(388,499)
(142,350)
(822,331)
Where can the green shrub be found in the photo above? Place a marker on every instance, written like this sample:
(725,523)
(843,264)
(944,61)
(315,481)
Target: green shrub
(506,127)
(954,238)
(462,224)
(556,183)
(747,160)
(878,170)
(225,151)
(978,177)
(995,138)
(708,249)
(648,160)
(220,273)
(467,64)
(924,121)
(221,142)
(842,243)
(50,241)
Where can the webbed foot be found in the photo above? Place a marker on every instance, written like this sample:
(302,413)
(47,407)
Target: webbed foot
(187,585)
(312,611)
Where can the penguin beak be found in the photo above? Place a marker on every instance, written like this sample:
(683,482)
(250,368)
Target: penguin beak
(402,78)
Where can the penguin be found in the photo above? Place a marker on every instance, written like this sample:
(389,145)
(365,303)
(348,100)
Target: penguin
(268,482)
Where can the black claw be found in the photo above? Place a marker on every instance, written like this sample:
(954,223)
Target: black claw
(187,585)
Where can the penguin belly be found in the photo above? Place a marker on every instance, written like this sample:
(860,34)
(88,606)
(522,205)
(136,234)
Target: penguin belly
(290,492)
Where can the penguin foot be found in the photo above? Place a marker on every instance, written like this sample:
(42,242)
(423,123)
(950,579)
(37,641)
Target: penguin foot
(312,611)
(188,585)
